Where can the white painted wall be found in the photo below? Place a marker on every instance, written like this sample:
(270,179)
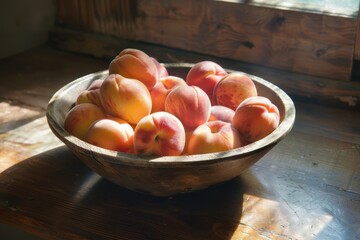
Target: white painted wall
(24,24)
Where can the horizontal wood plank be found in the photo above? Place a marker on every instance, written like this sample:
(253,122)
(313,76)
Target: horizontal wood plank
(302,42)
(305,87)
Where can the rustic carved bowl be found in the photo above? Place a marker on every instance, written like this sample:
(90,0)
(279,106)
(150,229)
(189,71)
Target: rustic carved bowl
(165,176)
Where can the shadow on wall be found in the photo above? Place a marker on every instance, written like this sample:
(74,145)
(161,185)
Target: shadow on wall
(24,24)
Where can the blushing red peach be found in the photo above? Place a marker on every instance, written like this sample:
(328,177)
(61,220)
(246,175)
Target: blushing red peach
(190,104)
(159,134)
(89,96)
(81,117)
(231,90)
(219,112)
(125,98)
(161,89)
(136,64)
(161,69)
(112,135)
(214,136)
(206,75)
(255,118)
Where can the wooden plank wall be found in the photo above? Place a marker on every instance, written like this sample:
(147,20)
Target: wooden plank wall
(357,45)
(302,42)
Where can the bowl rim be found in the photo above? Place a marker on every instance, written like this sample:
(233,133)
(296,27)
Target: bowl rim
(116,157)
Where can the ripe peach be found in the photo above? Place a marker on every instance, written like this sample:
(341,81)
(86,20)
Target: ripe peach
(190,104)
(161,89)
(112,135)
(206,75)
(219,112)
(161,69)
(96,84)
(159,134)
(125,98)
(231,90)
(120,120)
(214,136)
(89,96)
(134,63)
(188,134)
(255,118)
(80,117)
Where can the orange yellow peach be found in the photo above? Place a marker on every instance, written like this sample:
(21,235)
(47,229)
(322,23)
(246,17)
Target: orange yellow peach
(89,96)
(128,99)
(255,118)
(112,135)
(214,136)
(81,117)
(136,64)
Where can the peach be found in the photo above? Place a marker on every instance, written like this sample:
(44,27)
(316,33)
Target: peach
(187,139)
(159,134)
(89,96)
(190,104)
(112,135)
(125,98)
(231,90)
(206,75)
(219,112)
(214,136)
(81,117)
(161,89)
(161,69)
(96,84)
(255,118)
(120,120)
(136,64)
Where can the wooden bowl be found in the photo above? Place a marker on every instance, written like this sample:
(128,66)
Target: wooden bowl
(169,175)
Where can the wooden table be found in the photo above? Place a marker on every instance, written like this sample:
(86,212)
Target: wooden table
(307,187)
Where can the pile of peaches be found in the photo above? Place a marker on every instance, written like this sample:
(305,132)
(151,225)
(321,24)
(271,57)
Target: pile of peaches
(139,108)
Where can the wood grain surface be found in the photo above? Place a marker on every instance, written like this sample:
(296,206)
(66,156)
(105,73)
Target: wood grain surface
(344,94)
(307,187)
(308,42)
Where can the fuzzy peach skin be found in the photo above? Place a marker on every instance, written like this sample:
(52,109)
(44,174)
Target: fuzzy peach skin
(125,98)
(214,136)
(206,75)
(190,104)
(159,134)
(120,120)
(255,118)
(136,64)
(187,140)
(219,112)
(161,89)
(89,96)
(112,135)
(81,117)
(96,84)
(231,90)
(161,69)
